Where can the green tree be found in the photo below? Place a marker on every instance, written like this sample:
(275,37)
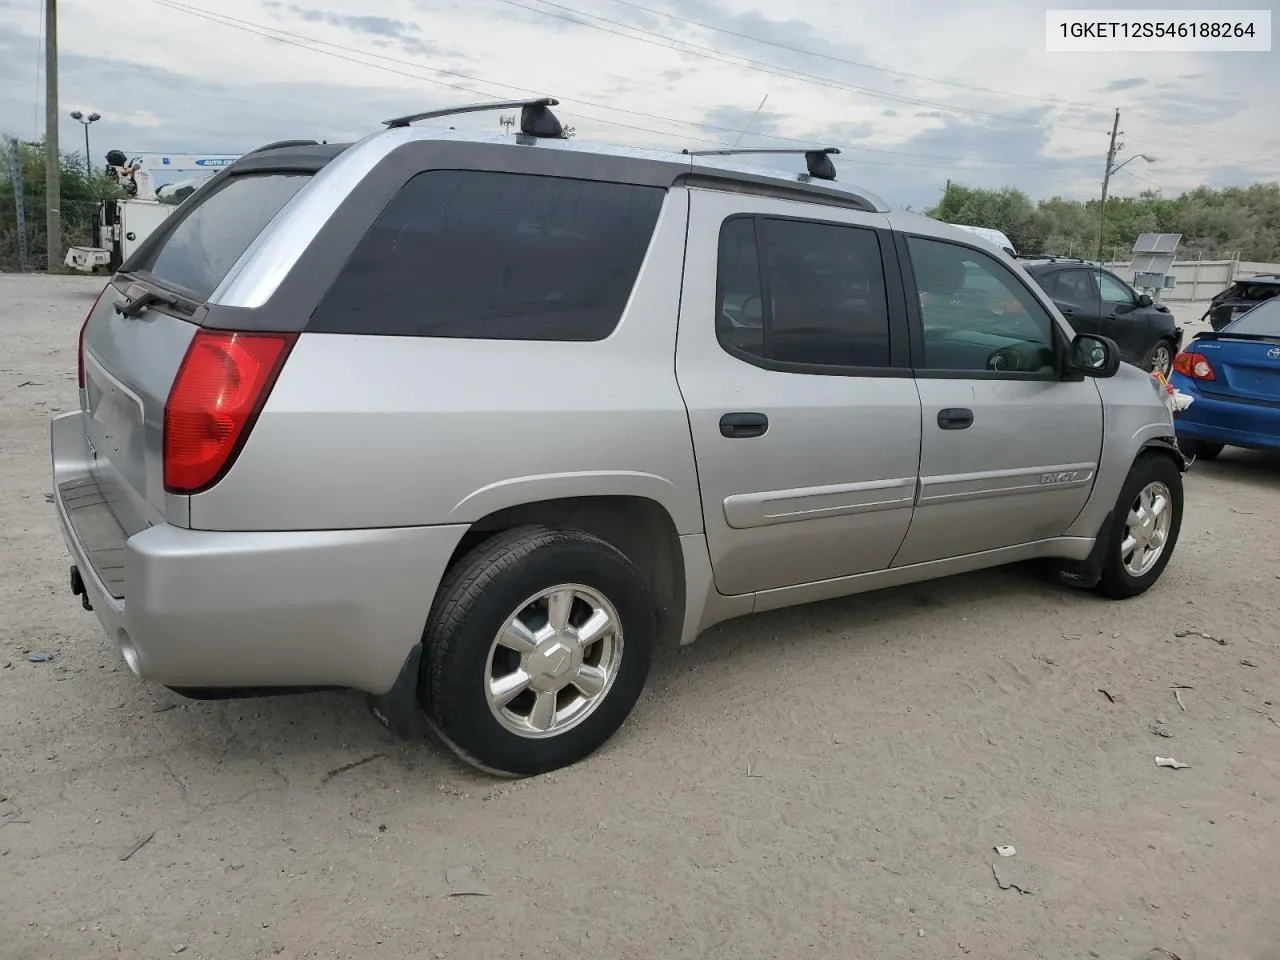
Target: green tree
(80,195)
(1213,223)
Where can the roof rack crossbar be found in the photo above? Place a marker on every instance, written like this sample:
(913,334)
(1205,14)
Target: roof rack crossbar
(540,103)
(817,159)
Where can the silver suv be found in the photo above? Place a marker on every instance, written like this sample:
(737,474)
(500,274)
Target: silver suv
(474,423)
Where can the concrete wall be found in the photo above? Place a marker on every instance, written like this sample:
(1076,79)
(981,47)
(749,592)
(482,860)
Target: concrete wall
(1201,279)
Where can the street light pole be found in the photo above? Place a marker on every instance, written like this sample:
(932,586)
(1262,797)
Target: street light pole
(84,122)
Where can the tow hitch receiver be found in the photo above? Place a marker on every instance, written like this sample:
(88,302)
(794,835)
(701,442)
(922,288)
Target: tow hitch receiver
(77,588)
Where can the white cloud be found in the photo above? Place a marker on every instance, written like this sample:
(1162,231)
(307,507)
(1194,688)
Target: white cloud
(168,79)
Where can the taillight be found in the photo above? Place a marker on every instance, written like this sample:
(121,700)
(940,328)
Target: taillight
(80,342)
(1193,365)
(220,389)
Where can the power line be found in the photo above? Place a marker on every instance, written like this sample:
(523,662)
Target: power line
(280,36)
(572,15)
(1145,179)
(652,38)
(852,63)
(1057,101)
(302,41)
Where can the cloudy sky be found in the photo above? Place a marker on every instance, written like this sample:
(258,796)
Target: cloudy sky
(913,91)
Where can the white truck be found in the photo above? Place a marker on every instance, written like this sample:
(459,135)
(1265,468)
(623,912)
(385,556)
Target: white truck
(154,185)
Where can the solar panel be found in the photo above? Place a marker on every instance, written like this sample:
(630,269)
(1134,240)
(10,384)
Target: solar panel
(1152,262)
(1157,243)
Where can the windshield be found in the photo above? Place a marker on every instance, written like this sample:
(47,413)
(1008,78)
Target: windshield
(1262,321)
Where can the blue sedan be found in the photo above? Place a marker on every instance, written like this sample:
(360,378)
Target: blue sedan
(1233,374)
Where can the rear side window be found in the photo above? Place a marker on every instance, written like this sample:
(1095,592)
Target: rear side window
(212,235)
(801,292)
(1262,321)
(1073,286)
(495,256)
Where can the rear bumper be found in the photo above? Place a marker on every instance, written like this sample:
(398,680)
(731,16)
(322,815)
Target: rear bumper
(1224,421)
(193,608)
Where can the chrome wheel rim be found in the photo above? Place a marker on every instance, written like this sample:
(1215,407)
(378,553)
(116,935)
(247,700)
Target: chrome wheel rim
(554,661)
(1146,529)
(1161,360)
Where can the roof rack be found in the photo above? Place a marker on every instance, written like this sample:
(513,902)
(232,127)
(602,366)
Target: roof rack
(817,160)
(536,120)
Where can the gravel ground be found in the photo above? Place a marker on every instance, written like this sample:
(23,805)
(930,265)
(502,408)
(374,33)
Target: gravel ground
(825,781)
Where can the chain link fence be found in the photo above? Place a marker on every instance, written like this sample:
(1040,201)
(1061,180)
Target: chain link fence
(23,235)
(79,218)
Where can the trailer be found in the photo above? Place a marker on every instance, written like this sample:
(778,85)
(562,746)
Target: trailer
(154,185)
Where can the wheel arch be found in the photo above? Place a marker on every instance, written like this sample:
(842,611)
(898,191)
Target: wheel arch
(641,527)
(1162,446)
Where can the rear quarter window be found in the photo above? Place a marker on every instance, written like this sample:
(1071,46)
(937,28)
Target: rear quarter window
(497,256)
(210,236)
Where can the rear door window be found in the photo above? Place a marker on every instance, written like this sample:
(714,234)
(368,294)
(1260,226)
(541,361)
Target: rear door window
(495,256)
(1074,286)
(802,292)
(204,245)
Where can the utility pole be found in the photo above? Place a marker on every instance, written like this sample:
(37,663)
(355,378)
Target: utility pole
(52,171)
(1106,181)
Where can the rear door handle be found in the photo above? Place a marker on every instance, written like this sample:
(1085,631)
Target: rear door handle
(738,426)
(955,418)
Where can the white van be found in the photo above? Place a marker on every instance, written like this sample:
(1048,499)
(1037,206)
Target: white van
(991,236)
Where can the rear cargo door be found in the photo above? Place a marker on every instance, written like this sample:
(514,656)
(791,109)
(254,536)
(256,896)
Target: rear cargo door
(131,356)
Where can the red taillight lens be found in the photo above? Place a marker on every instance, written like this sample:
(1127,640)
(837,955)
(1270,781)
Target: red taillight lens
(221,386)
(80,342)
(1193,365)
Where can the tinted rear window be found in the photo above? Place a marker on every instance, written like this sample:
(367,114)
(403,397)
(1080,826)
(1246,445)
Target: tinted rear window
(1262,321)
(1244,290)
(496,256)
(212,235)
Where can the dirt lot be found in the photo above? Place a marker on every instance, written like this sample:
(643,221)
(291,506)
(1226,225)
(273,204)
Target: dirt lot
(890,740)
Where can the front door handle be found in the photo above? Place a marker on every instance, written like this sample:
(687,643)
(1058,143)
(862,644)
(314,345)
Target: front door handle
(738,426)
(955,418)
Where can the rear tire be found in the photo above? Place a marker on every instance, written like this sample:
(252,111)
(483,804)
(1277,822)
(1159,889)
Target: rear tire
(516,614)
(1147,520)
(1200,449)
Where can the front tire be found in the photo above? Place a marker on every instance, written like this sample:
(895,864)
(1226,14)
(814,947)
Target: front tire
(1147,520)
(537,648)
(1159,358)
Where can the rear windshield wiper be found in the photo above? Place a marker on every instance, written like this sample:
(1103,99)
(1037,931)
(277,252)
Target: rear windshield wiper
(141,297)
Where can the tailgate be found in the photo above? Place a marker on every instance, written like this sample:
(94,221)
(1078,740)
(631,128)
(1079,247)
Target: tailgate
(129,365)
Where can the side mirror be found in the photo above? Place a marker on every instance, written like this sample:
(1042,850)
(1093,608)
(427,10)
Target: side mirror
(1144,300)
(1093,356)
